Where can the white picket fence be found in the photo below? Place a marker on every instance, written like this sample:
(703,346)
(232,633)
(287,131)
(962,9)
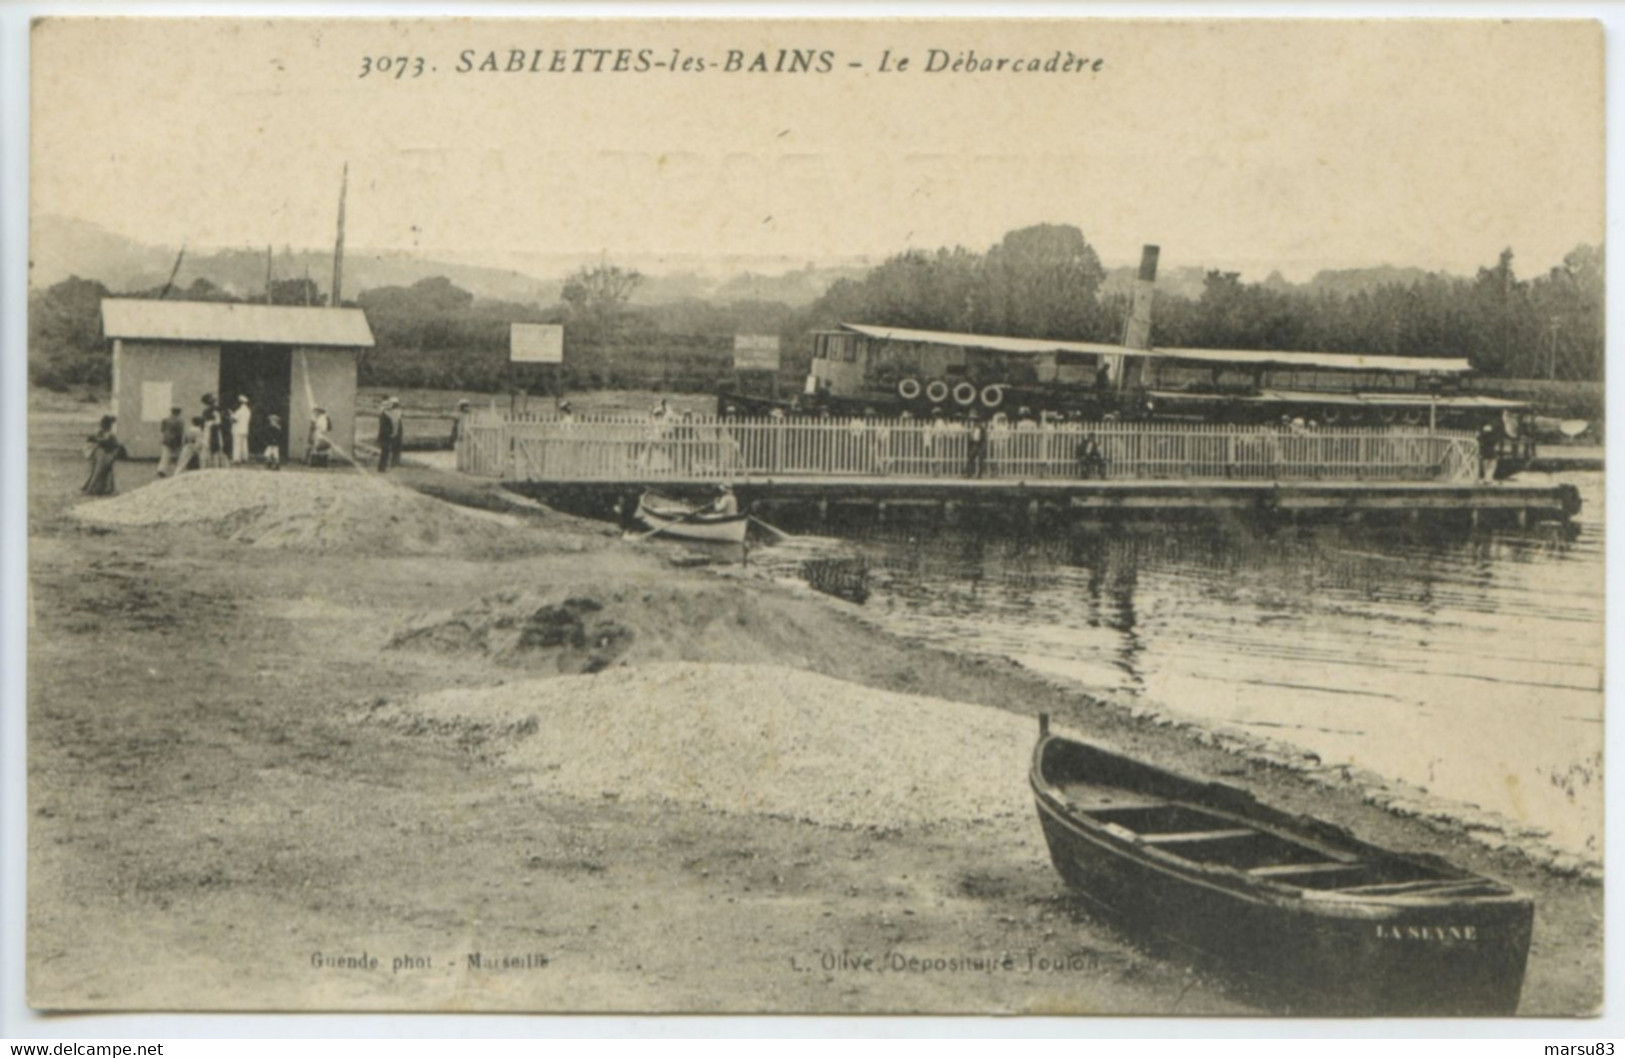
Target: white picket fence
(533,448)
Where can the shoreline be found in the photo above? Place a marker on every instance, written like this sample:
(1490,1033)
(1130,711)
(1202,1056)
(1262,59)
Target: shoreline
(279,681)
(1448,815)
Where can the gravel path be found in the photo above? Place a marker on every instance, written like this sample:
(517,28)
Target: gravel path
(748,739)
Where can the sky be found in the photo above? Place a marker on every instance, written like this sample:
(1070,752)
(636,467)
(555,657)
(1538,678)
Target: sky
(1256,145)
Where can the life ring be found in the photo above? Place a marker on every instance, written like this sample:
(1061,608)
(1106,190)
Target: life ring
(1413,417)
(965,393)
(992,396)
(1386,416)
(1332,416)
(908,388)
(937,391)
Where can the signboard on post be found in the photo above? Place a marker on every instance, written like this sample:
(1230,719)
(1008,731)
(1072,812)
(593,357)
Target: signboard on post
(756,352)
(536,343)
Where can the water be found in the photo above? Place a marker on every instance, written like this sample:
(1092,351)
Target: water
(1469,665)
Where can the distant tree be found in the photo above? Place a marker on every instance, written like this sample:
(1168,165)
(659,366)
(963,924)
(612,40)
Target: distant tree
(1042,281)
(200,290)
(296,292)
(414,306)
(595,299)
(1568,306)
(65,346)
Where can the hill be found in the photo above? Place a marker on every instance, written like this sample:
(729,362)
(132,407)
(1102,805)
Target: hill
(63,246)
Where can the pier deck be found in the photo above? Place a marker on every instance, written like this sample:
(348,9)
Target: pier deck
(1497,502)
(1104,469)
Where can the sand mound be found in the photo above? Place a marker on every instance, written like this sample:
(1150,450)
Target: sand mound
(749,739)
(309,511)
(590,625)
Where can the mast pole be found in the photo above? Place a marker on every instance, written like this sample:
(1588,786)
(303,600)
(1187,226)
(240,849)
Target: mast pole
(338,246)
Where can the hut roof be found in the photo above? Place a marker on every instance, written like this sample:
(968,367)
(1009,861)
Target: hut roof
(219,321)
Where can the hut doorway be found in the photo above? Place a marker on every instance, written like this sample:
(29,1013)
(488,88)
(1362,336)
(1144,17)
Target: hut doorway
(263,374)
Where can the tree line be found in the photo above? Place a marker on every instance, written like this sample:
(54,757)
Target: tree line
(1043,281)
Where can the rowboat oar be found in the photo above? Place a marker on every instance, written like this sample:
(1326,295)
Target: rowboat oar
(780,533)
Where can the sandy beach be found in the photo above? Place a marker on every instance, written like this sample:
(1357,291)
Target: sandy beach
(346,746)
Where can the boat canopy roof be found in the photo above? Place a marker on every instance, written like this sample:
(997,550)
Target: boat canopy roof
(1373,399)
(993,343)
(1430,365)
(1249,357)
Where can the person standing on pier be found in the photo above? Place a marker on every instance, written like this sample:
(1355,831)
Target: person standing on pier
(1091,461)
(976,461)
(1489,451)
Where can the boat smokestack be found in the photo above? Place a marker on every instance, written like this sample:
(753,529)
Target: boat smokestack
(1137,331)
(1043,725)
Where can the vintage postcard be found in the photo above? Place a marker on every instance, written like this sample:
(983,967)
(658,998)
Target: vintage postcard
(767,516)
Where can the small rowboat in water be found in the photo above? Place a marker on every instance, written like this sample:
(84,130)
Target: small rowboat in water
(680,520)
(1331,924)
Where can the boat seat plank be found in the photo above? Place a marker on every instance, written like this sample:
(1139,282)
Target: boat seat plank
(1189,836)
(1101,804)
(1285,870)
(1094,797)
(1437,885)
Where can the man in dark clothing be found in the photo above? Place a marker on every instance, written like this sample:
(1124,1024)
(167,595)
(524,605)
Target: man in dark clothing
(398,414)
(171,433)
(1091,461)
(976,462)
(387,423)
(1489,451)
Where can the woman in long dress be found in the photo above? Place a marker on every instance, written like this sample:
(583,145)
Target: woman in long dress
(102,452)
(214,428)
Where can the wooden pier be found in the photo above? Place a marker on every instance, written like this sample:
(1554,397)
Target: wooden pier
(807,501)
(821,471)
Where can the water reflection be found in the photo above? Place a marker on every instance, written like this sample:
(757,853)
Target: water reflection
(1469,663)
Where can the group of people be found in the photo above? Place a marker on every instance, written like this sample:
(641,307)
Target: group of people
(985,435)
(216,437)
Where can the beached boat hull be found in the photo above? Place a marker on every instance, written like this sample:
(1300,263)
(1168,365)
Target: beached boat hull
(1330,950)
(684,524)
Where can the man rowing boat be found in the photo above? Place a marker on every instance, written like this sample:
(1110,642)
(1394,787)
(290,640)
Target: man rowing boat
(725,503)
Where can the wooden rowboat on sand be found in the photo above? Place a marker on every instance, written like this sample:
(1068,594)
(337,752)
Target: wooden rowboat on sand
(676,519)
(1332,925)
